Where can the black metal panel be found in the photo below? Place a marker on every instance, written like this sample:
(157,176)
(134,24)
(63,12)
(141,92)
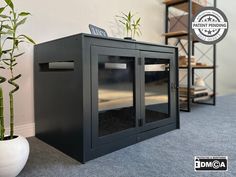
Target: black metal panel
(155,48)
(157,131)
(58,96)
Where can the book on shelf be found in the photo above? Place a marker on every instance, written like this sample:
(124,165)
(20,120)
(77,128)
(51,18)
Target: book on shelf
(182,99)
(195,91)
(183,60)
(202,98)
(192,88)
(194,94)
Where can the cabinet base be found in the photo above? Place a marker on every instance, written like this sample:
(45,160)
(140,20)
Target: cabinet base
(90,154)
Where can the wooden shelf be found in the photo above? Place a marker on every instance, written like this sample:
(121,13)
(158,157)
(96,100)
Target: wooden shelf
(178,34)
(192,96)
(183,5)
(197,67)
(202,98)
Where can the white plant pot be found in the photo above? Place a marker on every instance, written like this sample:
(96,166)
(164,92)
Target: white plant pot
(13,156)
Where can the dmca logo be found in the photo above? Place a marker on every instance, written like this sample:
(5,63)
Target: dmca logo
(210,25)
(211,163)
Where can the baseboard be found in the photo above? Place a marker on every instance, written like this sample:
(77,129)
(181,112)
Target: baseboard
(26,130)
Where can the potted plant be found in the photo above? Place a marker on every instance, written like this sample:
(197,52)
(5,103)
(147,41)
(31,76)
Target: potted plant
(130,24)
(14,149)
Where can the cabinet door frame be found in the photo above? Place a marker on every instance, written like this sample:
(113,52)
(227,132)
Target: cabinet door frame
(95,52)
(171,90)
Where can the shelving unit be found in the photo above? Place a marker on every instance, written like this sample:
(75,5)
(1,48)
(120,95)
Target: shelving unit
(178,28)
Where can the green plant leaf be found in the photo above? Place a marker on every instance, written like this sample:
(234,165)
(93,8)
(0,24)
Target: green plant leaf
(5,63)
(127,27)
(18,55)
(125,19)
(16,42)
(24,14)
(2,9)
(125,15)
(140,32)
(7,27)
(4,16)
(9,32)
(21,22)
(137,22)
(129,16)
(6,59)
(9,3)
(6,51)
(9,38)
(28,38)
(122,22)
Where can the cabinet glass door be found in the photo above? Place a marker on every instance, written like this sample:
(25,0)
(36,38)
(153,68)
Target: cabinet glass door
(156,90)
(115,94)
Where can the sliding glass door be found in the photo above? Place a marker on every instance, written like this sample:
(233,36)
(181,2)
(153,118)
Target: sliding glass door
(114,93)
(156,89)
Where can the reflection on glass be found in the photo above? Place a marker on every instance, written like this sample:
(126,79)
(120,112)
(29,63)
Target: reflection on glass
(156,89)
(115,94)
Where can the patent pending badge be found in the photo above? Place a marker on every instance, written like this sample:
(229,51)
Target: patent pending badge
(210,25)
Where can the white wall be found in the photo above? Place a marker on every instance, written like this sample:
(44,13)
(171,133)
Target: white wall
(54,19)
(226,58)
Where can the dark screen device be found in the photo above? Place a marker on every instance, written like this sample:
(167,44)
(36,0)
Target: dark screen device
(97,31)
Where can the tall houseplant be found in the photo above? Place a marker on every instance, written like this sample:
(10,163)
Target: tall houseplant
(15,20)
(14,149)
(130,24)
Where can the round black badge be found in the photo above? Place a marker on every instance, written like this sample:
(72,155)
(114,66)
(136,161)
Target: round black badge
(210,25)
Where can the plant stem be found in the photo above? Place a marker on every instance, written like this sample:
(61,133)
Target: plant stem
(11,108)
(11,115)
(11,81)
(12,77)
(2,130)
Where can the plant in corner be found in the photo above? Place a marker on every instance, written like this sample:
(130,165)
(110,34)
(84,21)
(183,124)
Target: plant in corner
(130,24)
(14,149)
(2,79)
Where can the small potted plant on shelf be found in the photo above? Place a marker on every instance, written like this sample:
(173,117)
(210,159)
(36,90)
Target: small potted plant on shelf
(14,149)
(130,24)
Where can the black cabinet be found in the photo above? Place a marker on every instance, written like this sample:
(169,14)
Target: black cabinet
(94,95)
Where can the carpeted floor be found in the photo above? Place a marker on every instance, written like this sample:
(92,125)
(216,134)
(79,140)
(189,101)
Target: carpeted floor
(207,130)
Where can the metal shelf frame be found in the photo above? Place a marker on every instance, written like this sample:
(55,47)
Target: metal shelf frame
(190,50)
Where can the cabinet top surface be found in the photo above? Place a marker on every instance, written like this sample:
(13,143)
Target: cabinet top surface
(84,35)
